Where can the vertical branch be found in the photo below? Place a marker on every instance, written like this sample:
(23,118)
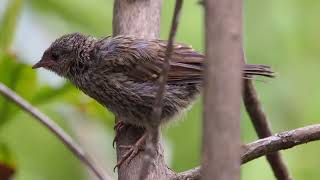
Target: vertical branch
(157,107)
(137,18)
(166,65)
(222,90)
(263,129)
(140,19)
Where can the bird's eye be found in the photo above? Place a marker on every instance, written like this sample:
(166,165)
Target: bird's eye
(55,56)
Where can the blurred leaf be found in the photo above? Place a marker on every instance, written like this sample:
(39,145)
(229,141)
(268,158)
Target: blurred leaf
(7,162)
(93,16)
(26,81)
(18,77)
(8,66)
(6,156)
(97,111)
(40,155)
(9,22)
(6,172)
(48,93)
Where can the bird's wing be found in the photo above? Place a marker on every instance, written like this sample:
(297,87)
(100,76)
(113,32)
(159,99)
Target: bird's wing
(142,60)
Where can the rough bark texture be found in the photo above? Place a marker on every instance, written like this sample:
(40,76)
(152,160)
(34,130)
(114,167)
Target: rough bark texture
(280,141)
(140,18)
(222,92)
(261,147)
(263,129)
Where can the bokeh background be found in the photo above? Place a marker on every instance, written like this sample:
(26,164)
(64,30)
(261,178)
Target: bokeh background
(283,34)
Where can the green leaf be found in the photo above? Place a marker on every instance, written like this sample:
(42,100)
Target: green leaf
(91,16)
(7,162)
(26,82)
(48,93)
(8,65)
(9,22)
(18,77)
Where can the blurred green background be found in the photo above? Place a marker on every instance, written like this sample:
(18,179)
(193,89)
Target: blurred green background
(283,34)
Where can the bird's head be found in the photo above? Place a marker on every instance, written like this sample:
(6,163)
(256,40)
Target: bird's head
(65,52)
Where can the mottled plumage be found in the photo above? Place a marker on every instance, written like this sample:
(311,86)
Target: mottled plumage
(121,73)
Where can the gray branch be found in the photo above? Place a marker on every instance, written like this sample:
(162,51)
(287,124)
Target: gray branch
(54,128)
(261,125)
(139,18)
(151,146)
(269,145)
(222,90)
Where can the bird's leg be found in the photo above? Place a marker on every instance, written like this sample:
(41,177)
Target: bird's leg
(117,128)
(133,150)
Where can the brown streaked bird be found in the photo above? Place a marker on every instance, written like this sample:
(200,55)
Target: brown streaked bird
(121,73)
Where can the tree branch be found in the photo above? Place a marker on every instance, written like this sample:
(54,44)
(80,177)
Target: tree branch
(261,147)
(154,130)
(140,19)
(260,122)
(222,90)
(54,128)
(157,107)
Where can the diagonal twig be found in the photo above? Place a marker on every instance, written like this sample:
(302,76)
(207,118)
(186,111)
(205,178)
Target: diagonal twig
(54,128)
(265,146)
(157,107)
(153,139)
(260,122)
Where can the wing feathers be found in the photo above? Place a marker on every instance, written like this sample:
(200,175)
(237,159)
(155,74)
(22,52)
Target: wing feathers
(146,57)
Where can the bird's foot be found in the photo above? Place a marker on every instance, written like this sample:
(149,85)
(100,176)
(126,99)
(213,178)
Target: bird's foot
(118,127)
(133,150)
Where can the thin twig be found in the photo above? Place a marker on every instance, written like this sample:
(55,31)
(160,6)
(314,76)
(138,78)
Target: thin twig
(262,127)
(54,128)
(260,122)
(157,107)
(153,139)
(265,146)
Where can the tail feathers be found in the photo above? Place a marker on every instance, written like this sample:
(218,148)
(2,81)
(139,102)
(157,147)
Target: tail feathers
(250,70)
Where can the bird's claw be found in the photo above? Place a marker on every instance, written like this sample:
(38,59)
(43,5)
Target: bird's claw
(133,150)
(117,127)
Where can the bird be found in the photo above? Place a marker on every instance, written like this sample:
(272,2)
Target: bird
(121,73)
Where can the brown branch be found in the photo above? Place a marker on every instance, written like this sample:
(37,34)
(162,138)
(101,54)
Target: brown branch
(154,130)
(222,90)
(54,128)
(265,146)
(192,174)
(140,19)
(157,107)
(262,127)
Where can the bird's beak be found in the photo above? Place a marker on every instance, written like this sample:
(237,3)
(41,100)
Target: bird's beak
(42,63)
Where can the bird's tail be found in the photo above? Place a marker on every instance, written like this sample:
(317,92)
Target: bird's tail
(251,70)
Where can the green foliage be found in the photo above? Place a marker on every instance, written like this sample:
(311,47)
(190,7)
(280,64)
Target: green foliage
(91,16)
(5,155)
(19,77)
(7,162)
(283,34)
(8,23)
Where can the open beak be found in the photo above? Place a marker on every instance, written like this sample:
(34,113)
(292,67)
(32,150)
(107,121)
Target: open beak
(42,63)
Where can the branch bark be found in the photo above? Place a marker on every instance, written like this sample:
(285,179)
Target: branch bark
(151,146)
(265,146)
(222,90)
(260,122)
(263,129)
(54,128)
(140,19)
